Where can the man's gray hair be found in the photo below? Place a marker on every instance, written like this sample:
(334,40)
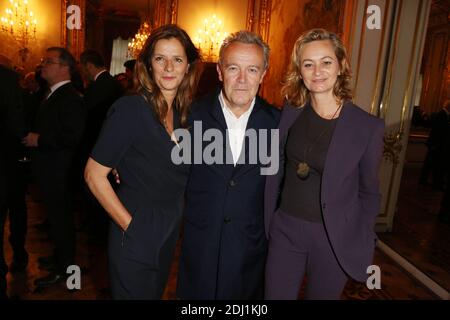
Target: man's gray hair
(247,37)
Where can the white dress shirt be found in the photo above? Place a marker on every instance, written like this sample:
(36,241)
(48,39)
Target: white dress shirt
(236,127)
(96,76)
(56,86)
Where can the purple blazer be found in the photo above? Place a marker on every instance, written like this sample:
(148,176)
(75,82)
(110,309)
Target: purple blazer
(350,197)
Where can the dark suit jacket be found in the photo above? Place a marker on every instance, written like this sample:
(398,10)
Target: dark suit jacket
(224,247)
(350,197)
(99,96)
(12,124)
(60,121)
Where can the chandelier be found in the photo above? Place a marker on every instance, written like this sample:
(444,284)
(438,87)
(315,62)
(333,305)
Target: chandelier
(19,22)
(136,44)
(210,37)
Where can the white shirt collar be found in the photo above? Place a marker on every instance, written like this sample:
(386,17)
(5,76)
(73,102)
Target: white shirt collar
(96,76)
(227,111)
(236,127)
(54,87)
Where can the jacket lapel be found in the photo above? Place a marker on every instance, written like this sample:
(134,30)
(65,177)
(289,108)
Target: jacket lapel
(255,122)
(217,121)
(337,155)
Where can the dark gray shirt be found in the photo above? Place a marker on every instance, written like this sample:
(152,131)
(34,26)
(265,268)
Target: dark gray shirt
(308,141)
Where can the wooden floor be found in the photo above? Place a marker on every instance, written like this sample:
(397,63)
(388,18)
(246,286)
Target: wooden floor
(417,235)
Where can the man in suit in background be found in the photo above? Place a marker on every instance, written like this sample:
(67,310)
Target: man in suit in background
(434,160)
(224,245)
(12,129)
(60,123)
(101,92)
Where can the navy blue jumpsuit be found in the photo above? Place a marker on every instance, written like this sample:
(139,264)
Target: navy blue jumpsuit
(134,142)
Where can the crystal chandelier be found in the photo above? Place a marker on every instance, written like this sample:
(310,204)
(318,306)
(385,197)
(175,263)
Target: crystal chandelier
(136,44)
(19,22)
(210,37)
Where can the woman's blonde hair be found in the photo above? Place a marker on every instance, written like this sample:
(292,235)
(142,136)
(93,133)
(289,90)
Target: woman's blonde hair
(145,83)
(294,89)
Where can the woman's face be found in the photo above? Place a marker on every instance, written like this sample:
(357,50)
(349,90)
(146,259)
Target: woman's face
(169,65)
(319,67)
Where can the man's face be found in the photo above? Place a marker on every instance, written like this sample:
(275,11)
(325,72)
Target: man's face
(52,69)
(241,71)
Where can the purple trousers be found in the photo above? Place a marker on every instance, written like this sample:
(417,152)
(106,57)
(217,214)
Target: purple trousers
(297,248)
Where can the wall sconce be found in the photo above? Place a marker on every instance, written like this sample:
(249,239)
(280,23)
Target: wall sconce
(20,23)
(210,37)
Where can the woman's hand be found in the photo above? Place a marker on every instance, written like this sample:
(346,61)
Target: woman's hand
(96,176)
(116,176)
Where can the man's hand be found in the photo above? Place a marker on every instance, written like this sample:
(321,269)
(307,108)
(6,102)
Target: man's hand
(31,139)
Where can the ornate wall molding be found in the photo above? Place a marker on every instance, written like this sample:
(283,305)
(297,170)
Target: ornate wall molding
(250,15)
(258,17)
(393,146)
(73,39)
(166,11)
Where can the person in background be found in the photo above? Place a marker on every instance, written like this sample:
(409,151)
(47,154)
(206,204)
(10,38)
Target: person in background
(435,160)
(56,136)
(12,129)
(129,71)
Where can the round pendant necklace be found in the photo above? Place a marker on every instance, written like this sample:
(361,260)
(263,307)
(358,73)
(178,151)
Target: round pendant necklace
(303,168)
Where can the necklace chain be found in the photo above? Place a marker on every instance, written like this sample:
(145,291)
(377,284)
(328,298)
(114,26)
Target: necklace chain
(303,167)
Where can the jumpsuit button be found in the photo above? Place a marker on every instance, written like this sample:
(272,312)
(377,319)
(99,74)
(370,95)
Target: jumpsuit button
(227,220)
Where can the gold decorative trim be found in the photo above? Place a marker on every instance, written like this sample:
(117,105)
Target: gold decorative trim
(392,146)
(391,152)
(361,46)
(173,11)
(392,142)
(348,29)
(411,57)
(390,71)
(166,11)
(73,40)
(377,85)
(63,23)
(250,15)
(264,19)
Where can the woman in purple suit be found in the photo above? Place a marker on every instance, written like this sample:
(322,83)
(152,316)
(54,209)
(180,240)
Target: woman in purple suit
(320,208)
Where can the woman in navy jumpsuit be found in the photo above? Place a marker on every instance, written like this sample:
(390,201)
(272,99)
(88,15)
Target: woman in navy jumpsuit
(137,139)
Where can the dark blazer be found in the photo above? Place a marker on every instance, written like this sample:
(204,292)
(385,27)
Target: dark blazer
(350,197)
(224,246)
(12,124)
(99,96)
(60,121)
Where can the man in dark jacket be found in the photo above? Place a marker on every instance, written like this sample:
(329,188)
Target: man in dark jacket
(60,123)
(102,91)
(224,245)
(434,160)
(12,129)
